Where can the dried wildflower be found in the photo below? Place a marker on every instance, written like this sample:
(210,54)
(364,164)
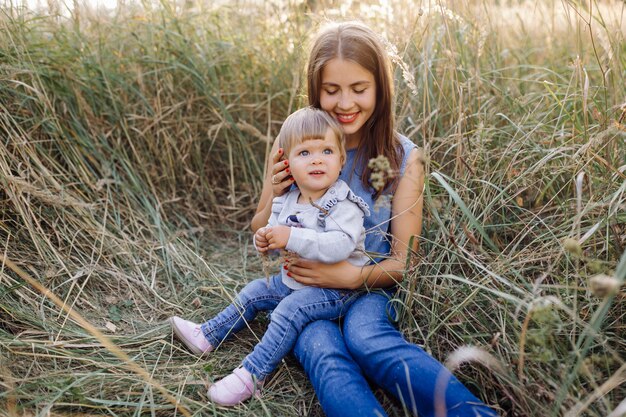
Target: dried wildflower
(623,115)
(473,354)
(445,12)
(382,201)
(271,264)
(606,44)
(603,285)
(542,309)
(381,171)
(266,264)
(289,256)
(572,246)
(320,208)
(377,180)
(482,38)
(395,57)
(252,131)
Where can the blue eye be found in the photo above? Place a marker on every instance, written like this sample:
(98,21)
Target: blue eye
(328,151)
(304,153)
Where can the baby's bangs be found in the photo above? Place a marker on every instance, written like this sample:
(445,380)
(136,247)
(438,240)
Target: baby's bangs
(313,137)
(314,127)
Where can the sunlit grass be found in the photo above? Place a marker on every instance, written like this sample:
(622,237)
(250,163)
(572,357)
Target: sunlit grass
(132,145)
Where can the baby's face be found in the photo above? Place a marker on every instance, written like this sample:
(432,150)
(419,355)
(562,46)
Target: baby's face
(315,164)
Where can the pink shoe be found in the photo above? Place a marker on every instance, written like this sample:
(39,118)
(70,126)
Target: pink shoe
(235,388)
(191,335)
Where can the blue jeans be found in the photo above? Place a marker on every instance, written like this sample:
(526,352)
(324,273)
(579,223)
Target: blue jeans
(339,366)
(293,310)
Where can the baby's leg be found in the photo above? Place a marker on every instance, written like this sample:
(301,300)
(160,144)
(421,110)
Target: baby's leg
(288,319)
(254,297)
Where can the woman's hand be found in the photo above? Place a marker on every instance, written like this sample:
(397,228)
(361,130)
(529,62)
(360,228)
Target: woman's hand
(342,275)
(280,178)
(277,181)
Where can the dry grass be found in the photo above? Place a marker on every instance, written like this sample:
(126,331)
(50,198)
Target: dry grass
(131,151)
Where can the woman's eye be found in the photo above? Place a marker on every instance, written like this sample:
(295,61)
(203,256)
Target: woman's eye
(304,153)
(360,91)
(328,151)
(331,92)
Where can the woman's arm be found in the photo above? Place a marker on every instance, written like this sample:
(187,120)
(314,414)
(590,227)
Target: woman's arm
(275,167)
(406,221)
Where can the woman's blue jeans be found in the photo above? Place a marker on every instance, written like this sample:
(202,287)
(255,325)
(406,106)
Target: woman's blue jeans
(293,310)
(339,365)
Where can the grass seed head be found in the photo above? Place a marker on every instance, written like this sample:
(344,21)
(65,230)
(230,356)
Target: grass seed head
(381,170)
(602,285)
(572,246)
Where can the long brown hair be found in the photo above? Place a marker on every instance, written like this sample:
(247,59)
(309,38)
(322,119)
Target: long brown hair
(356,42)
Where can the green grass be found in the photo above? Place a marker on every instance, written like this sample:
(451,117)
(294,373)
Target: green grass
(131,151)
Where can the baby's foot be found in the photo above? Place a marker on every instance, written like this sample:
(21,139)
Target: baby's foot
(235,388)
(191,335)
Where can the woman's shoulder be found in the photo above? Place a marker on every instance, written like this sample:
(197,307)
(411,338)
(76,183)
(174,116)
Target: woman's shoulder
(407,146)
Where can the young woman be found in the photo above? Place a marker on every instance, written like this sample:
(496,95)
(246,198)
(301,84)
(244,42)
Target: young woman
(349,77)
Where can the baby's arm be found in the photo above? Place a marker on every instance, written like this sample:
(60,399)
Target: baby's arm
(341,234)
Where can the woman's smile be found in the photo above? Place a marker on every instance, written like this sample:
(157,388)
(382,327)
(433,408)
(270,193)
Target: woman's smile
(346,118)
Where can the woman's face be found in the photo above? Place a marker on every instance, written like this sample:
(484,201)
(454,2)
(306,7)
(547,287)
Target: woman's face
(349,95)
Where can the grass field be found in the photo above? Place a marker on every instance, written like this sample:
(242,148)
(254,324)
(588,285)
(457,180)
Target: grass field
(132,144)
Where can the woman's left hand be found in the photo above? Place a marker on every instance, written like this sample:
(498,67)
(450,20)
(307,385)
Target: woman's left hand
(342,275)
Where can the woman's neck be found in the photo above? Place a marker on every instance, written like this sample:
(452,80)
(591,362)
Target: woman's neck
(353,140)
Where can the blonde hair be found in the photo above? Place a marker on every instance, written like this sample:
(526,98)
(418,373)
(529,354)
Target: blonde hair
(353,41)
(306,124)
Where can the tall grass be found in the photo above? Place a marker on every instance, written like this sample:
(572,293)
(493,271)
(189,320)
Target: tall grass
(131,151)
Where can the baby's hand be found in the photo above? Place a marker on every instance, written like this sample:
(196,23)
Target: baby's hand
(260,240)
(277,236)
